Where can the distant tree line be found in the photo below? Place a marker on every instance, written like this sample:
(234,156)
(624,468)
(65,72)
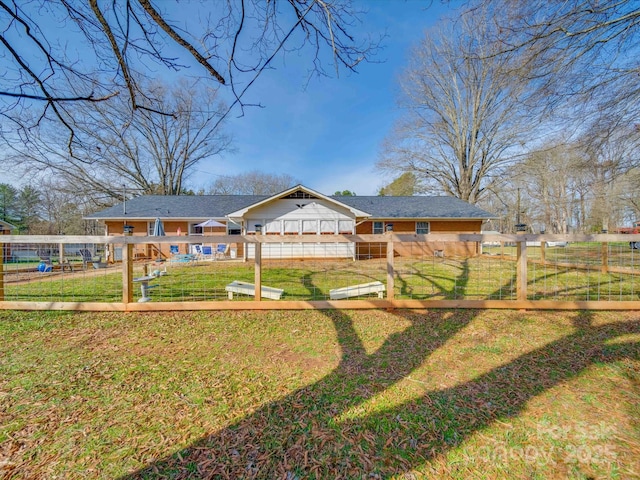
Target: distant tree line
(253,182)
(43,209)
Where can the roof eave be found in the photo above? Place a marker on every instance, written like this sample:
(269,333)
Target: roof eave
(164,219)
(433,218)
(241,213)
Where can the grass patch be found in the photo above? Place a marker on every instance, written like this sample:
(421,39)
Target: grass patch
(376,394)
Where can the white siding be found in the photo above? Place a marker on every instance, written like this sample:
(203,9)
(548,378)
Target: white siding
(304,250)
(299,208)
(302,216)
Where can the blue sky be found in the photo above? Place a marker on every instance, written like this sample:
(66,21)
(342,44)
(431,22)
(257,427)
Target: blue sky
(328,135)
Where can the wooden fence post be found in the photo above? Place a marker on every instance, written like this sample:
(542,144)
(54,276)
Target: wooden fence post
(1,272)
(521,270)
(257,281)
(127,273)
(390,271)
(605,257)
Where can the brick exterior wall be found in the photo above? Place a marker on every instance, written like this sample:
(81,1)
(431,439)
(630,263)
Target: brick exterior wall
(429,249)
(171,229)
(363,251)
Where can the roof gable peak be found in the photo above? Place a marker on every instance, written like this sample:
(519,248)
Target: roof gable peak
(298,192)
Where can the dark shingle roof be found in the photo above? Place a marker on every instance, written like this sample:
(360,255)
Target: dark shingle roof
(178,206)
(217,206)
(415,207)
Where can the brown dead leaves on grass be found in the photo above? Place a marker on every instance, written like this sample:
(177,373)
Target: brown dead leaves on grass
(331,394)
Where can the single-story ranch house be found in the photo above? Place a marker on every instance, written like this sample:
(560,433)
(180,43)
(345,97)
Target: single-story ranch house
(296,211)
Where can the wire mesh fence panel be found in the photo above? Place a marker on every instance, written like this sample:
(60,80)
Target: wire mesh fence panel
(190,277)
(306,270)
(321,268)
(447,274)
(491,278)
(590,271)
(58,272)
(421,274)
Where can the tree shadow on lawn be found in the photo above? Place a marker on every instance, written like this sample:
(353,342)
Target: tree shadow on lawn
(436,281)
(314,432)
(546,286)
(329,430)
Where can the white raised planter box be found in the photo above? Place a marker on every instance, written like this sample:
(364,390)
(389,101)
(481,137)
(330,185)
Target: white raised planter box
(250,289)
(357,290)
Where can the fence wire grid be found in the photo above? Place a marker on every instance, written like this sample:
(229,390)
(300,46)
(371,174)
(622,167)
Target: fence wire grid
(90,272)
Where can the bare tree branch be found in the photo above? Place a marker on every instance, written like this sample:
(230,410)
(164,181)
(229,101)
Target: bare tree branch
(179,40)
(128,38)
(463,119)
(151,154)
(581,54)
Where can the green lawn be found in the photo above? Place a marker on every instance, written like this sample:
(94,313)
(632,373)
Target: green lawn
(334,394)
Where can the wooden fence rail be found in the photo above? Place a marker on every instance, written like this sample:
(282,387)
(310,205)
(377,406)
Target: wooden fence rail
(520,243)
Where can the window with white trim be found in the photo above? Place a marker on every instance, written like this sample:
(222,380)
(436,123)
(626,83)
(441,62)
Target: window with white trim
(328,226)
(422,228)
(345,226)
(291,227)
(309,227)
(378,228)
(273,227)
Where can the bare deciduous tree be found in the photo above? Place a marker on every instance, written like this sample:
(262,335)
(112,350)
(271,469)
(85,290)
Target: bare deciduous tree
(583,185)
(252,183)
(580,58)
(463,117)
(582,54)
(607,157)
(548,179)
(145,152)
